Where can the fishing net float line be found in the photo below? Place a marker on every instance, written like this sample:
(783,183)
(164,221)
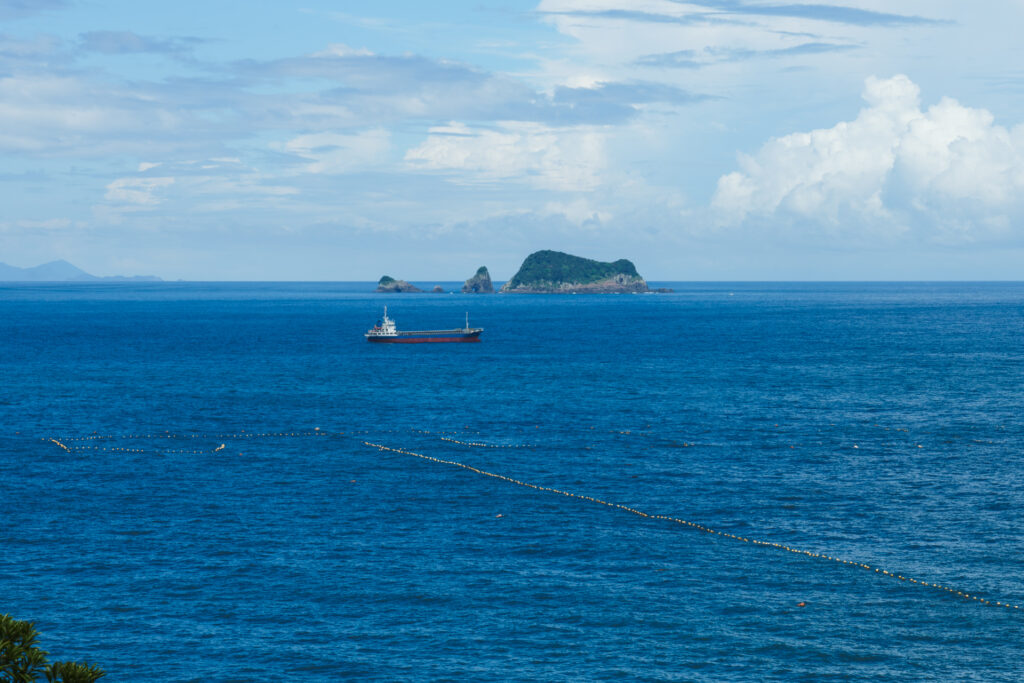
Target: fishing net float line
(458,436)
(743,539)
(318,433)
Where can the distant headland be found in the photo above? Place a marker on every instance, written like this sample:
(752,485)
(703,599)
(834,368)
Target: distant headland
(549,272)
(62,271)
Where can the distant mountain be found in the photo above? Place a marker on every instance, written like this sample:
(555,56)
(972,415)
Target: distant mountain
(62,271)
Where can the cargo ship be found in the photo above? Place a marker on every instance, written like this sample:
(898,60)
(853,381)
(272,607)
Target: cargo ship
(386,332)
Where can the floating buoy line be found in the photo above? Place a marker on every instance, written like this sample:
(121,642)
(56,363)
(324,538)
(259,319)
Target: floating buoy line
(458,437)
(478,444)
(74,445)
(667,518)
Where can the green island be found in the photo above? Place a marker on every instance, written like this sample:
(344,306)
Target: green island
(555,272)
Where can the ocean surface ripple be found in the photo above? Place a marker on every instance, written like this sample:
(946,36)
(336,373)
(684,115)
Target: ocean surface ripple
(188,493)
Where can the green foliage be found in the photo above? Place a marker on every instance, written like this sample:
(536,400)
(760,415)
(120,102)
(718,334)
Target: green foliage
(70,672)
(385,280)
(482,270)
(543,267)
(22,661)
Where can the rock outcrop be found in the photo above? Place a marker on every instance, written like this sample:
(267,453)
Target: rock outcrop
(438,289)
(554,272)
(389,285)
(479,283)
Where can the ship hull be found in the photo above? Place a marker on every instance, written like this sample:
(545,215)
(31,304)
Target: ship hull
(427,338)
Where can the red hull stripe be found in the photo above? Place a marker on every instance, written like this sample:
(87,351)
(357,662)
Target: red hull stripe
(421,340)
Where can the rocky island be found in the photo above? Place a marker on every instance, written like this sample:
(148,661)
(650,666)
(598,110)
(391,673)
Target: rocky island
(555,272)
(389,285)
(479,283)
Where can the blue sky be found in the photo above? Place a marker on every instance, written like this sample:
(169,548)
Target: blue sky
(704,140)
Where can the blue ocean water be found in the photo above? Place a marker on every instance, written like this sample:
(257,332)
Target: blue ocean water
(880,423)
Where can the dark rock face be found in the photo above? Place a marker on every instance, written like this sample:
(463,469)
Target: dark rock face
(479,283)
(438,289)
(554,272)
(389,285)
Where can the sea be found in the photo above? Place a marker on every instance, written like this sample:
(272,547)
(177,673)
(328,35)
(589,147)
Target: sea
(735,481)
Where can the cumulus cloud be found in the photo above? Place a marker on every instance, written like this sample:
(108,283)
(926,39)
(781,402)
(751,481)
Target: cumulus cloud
(895,164)
(561,159)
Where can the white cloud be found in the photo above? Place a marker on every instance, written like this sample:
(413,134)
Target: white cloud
(342,50)
(51,113)
(37,225)
(251,187)
(139,191)
(341,153)
(570,159)
(204,195)
(621,32)
(895,162)
(146,165)
(578,211)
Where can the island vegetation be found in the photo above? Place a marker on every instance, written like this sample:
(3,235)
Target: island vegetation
(389,285)
(548,272)
(555,272)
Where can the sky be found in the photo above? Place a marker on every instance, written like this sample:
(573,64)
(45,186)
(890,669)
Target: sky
(702,139)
